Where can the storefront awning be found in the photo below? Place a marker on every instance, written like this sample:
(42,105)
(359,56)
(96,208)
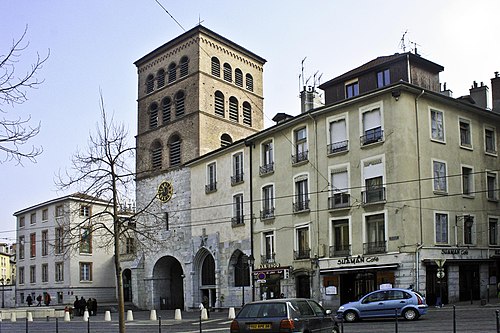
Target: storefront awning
(358,268)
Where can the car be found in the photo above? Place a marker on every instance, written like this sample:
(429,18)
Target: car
(284,315)
(406,303)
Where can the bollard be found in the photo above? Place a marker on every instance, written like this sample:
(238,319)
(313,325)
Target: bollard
(454,320)
(396,316)
(159,324)
(67,317)
(88,324)
(152,315)
(27,330)
(107,315)
(231,313)
(29,316)
(204,314)
(178,315)
(130,315)
(86,315)
(57,325)
(13,317)
(498,322)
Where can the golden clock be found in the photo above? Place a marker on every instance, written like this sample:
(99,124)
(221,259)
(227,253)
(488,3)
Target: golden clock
(165,191)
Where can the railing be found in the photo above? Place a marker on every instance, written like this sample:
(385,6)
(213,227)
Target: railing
(267,214)
(237,220)
(302,254)
(374,247)
(300,157)
(373,195)
(339,200)
(338,147)
(301,205)
(237,179)
(266,168)
(212,187)
(340,250)
(372,135)
(269,258)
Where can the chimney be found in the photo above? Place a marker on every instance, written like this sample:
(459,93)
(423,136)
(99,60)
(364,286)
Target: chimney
(446,92)
(495,92)
(480,95)
(309,99)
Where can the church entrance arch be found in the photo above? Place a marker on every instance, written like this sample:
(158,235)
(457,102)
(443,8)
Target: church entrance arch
(168,284)
(206,278)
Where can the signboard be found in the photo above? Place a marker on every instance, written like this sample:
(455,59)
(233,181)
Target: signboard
(440,262)
(331,290)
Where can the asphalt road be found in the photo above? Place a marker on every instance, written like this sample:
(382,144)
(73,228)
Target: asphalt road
(469,319)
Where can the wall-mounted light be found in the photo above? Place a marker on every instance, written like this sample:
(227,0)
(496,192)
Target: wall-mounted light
(396,94)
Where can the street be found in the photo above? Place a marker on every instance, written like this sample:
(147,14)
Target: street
(469,318)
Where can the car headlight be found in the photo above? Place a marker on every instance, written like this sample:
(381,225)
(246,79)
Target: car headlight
(341,308)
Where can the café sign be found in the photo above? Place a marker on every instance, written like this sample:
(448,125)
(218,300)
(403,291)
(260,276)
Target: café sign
(455,251)
(357,260)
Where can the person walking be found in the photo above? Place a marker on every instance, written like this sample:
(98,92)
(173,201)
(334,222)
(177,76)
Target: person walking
(39,300)
(47,299)
(76,306)
(29,300)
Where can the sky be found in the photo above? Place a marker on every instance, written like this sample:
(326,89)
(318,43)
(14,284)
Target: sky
(94,43)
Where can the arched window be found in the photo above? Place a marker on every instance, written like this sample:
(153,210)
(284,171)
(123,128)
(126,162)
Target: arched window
(215,67)
(171,73)
(166,106)
(161,78)
(242,271)
(225,140)
(184,66)
(219,103)
(228,73)
(238,77)
(175,150)
(150,83)
(233,108)
(156,154)
(179,104)
(247,114)
(208,271)
(153,115)
(249,82)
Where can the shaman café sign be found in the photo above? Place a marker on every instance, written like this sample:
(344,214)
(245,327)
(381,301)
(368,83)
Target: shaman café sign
(356,260)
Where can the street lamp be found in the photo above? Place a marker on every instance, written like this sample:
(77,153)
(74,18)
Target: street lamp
(4,282)
(245,262)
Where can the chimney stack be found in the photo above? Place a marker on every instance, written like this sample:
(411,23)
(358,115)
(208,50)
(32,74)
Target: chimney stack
(480,95)
(495,92)
(309,99)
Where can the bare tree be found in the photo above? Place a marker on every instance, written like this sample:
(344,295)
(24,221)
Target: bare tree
(15,132)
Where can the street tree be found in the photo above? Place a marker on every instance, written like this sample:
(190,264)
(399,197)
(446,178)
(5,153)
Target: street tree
(16,131)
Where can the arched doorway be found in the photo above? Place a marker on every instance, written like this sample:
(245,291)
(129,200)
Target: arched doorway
(127,285)
(207,281)
(168,284)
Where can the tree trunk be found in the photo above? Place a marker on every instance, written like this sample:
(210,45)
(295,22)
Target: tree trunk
(119,280)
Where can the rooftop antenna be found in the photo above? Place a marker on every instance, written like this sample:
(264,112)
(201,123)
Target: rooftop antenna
(314,76)
(414,48)
(303,60)
(402,43)
(319,79)
(200,21)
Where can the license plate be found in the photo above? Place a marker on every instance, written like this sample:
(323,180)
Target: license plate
(259,326)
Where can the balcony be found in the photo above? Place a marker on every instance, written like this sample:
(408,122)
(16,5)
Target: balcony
(267,214)
(373,195)
(301,206)
(300,157)
(238,220)
(266,169)
(372,136)
(237,179)
(302,254)
(338,147)
(339,200)
(374,247)
(269,258)
(212,187)
(340,250)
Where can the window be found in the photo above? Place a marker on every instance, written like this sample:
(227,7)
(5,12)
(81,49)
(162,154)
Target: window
(184,64)
(228,73)
(179,104)
(45,214)
(383,78)
(160,78)
(21,247)
(352,89)
(467,181)
(32,245)
(175,151)
(219,103)
(215,67)
(267,158)
(33,218)
(237,169)
(491,186)
(238,77)
(238,217)
(468,229)
(339,188)
(150,83)
(45,242)
(437,125)
(301,151)
(338,136)
(340,237)
(301,194)
(59,210)
(225,140)
(247,114)
(373,175)
(32,274)
(59,271)
(21,222)
(249,82)
(86,240)
(166,106)
(439,172)
(269,252)
(490,141)
(211,178)
(242,271)
(153,116)
(20,271)
(156,154)
(375,234)
(45,272)
(130,245)
(172,73)
(233,109)
(465,133)
(84,210)
(59,240)
(267,202)
(372,127)
(441,222)
(493,231)
(302,250)
(86,271)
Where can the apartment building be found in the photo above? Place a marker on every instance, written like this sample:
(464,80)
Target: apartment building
(59,253)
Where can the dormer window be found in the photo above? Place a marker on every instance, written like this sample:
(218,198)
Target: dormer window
(383,78)
(352,89)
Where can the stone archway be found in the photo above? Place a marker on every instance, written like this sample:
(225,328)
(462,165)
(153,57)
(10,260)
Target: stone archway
(206,279)
(168,284)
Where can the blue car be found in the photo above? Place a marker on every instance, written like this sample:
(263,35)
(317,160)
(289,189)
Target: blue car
(409,304)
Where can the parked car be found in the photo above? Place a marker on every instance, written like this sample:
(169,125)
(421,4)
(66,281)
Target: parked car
(284,315)
(383,303)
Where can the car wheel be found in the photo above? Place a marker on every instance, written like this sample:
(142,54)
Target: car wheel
(410,314)
(350,316)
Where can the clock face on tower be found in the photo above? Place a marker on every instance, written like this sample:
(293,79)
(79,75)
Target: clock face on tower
(165,191)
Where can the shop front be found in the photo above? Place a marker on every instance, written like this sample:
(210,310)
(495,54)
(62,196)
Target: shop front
(268,282)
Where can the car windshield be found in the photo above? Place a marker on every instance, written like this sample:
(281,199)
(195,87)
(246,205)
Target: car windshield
(260,310)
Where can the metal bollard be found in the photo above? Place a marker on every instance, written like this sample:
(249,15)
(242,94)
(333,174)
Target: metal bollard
(27,330)
(454,320)
(57,325)
(88,325)
(498,322)
(342,324)
(396,316)
(159,324)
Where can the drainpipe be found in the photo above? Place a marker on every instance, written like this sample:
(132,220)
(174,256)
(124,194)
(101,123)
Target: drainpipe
(250,146)
(419,172)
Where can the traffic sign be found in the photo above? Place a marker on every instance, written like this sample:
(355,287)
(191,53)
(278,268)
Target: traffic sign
(440,273)
(440,262)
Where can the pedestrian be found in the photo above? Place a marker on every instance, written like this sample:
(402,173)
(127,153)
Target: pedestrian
(94,306)
(39,300)
(82,305)
(76,306)
(47,299)
(29,300)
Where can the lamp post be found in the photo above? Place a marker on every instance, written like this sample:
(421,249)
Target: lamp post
(246,261)
(4,282)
